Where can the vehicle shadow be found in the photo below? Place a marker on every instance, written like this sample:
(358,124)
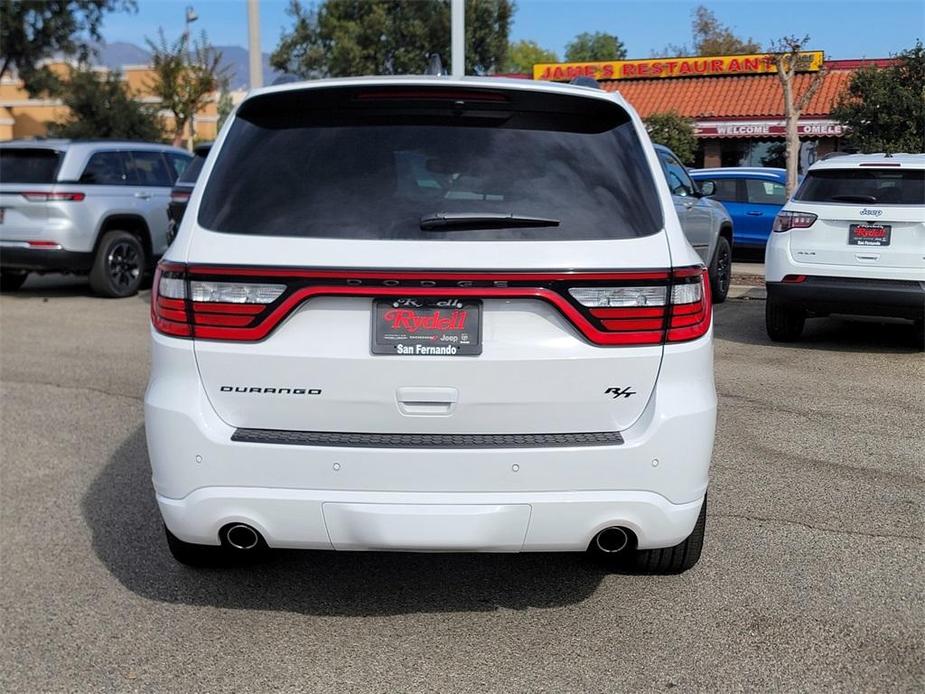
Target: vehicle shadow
(742,321)
(57,286)
(128,538)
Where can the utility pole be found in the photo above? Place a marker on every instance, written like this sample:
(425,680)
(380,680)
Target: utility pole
(255,56)
(458,37)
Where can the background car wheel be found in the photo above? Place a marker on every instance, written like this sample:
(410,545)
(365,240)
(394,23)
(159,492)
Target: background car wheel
(666,560)
(10,281)
(721,270)
(119,266)
(783,321)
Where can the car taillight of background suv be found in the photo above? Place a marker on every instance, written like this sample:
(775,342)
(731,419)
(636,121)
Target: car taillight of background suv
(433,315)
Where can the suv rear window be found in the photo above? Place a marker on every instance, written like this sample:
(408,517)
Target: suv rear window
(369,164)
(22,165)
(887,186)
(191,172)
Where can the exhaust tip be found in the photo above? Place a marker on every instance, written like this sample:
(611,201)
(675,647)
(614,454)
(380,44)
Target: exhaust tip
(611,540)
(241,537)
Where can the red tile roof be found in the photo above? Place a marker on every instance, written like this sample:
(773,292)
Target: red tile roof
(752,96)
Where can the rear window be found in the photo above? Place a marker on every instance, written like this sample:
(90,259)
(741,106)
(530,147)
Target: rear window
(356,164)
(887,186)
(21,165)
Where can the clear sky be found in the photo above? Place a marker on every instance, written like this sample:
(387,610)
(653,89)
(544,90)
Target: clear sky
(843,29)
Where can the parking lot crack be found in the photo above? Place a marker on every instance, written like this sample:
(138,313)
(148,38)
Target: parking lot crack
(810,526)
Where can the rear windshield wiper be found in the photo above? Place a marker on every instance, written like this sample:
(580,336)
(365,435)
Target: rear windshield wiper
(853,198)
(453,221)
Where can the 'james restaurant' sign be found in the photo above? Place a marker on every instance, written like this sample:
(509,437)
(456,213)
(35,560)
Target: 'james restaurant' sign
(808,61)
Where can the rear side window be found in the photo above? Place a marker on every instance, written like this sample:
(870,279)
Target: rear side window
(344,163)
(191,172)
(149,169)
(679,183)
(887,186)
(726,189)
(178,164)
(22,165)
(761,192)
(105,169)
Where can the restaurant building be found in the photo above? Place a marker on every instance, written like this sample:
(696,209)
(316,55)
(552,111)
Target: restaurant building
(23,115)
(736,101)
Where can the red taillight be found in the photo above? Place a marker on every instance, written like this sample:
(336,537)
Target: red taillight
(180,195)
(794,279)
(44,244)
(785,221)
(38,196)
(191,307)
(608,308)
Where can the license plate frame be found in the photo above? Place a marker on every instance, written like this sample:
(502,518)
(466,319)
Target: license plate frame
(866,238)
(426,326)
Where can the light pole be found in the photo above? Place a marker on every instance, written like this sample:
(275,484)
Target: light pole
(458,37)
(255,57)
(191,17)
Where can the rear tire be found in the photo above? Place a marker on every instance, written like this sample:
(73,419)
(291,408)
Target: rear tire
(721,270)
(673,560)
(10,280)
(784,322)
(192,554)
(664,560)
(119,265)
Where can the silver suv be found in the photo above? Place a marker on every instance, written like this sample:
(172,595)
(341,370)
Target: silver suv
(85,207)
(706,223)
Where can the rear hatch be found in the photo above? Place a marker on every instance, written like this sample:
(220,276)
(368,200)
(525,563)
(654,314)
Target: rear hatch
(867,216)
(27,177)
(420,260)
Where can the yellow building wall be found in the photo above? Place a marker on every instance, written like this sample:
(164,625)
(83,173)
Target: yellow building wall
(30,115)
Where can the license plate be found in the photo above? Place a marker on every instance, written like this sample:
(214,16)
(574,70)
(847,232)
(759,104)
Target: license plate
(425,326)
(869,235)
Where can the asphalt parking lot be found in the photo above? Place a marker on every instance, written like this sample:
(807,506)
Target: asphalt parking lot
(812,576)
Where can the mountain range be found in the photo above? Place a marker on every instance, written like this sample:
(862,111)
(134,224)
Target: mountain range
(234,59)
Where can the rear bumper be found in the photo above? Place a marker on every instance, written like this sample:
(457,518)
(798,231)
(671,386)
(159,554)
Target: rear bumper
(44,260)
(460,522)
(855,296)
(552,498)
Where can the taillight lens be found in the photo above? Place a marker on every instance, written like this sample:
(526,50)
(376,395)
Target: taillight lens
(39,196)
(785,221)
(640,315)
(185,307)
(608,308)
(180,195)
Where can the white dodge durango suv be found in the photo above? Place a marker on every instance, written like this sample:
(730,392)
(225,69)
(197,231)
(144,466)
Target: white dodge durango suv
(432,314)
(851,241)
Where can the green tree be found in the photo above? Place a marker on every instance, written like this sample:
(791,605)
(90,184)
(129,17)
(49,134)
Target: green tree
(676,132)
(711,37)
(100,106)
(339,38)
(33,30)
(597,46)
(185,76)
(225,105)
(884,108)
(523,55)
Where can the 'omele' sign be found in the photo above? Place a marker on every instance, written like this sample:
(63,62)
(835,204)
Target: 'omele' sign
(808,61)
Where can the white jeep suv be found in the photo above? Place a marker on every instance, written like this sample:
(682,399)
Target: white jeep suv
(851,241)
(432,314)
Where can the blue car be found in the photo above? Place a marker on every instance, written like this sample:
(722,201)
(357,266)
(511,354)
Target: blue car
(752,196)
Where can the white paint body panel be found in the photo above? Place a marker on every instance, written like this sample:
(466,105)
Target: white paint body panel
(535,374)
